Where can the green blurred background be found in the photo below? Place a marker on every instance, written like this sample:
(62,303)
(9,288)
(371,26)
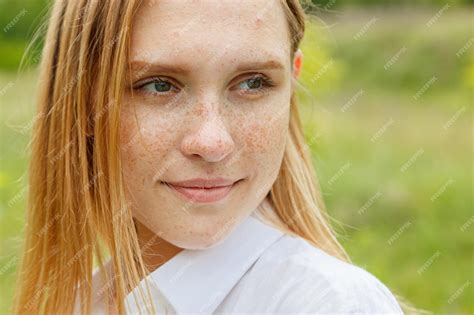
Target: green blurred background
(387,105)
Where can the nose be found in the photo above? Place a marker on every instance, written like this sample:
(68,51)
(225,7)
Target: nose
(212,141)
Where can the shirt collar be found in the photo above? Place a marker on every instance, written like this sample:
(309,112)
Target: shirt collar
(198,280)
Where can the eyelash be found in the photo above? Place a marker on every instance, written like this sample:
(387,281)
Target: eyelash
(266,84)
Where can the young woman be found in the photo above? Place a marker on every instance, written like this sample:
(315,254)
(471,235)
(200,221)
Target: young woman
(168,151)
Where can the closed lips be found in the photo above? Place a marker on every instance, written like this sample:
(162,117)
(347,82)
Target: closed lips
(203,191)
(203,183)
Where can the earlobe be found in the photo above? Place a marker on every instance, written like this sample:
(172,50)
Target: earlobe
(297,63)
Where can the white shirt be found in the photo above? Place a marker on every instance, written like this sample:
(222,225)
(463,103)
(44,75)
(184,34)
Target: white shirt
(258,269)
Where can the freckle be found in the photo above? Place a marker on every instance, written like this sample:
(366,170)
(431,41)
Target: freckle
(258,22)
(198,111)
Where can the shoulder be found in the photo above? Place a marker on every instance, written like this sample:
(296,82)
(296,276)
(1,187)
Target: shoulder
(303,278)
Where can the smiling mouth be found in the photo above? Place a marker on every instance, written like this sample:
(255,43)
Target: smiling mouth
(202,194)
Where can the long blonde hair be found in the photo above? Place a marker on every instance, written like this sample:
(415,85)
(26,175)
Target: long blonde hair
(77,212)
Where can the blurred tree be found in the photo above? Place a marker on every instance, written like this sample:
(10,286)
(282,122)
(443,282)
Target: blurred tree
(19,18)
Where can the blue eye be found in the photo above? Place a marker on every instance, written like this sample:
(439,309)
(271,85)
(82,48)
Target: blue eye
(157,86)
(256,84)
(253,83)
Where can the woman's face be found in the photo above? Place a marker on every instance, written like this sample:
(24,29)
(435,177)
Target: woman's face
(211,83)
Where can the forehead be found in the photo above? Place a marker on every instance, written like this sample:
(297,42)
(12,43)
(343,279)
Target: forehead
(211,32)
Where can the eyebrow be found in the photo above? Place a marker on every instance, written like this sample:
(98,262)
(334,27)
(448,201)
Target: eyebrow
(270,64)
(145,66)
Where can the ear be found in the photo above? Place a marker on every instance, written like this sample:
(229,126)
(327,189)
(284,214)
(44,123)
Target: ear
(297,63)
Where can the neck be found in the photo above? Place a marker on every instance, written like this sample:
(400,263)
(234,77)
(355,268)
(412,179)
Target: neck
(155,250)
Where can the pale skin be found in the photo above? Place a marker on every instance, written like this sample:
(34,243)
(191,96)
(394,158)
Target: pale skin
(206,121)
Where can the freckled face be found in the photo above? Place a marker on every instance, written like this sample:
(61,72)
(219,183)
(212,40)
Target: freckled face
(210,96)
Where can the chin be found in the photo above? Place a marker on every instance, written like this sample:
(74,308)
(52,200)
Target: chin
(195,244)
(200,240)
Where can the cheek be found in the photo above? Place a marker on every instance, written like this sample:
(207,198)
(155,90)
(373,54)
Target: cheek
(265,137)
(265,140)
(129,136)
(145,139)
(266,133)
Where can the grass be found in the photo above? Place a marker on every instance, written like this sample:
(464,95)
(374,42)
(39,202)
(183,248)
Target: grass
(395,165)
(16,111)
